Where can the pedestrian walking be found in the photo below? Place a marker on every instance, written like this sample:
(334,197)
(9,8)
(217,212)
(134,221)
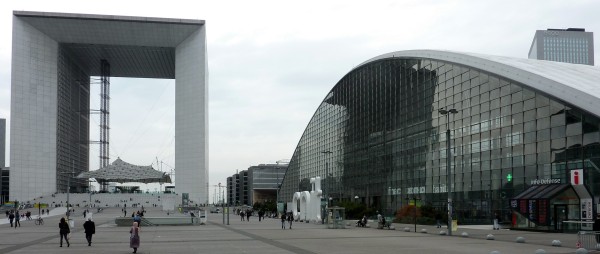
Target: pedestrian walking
(242,215)
(248,213)
(438,219)
(290,219)
(64,231)
(137,219)
(90,228)
(283,220)
(17,219)
(11,217)
(134,238)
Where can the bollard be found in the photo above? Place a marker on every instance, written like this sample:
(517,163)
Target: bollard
(490,237)
(556,243)
(520,239)
(424,231)
(581,251)
(406,229)
(442,232)
(540,251)
(464,234)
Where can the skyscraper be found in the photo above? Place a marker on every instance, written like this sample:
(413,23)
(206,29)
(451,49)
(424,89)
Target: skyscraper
(571,45)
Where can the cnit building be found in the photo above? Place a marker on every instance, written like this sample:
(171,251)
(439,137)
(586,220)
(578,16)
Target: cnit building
(525,138)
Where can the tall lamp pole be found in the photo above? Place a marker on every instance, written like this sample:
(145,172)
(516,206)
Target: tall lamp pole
(69,187)
(414,199)
(448,165)
(327,175)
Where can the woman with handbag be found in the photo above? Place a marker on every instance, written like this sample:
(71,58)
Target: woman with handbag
(64,231)
(134,238)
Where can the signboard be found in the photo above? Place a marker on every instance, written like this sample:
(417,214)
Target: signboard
(586,209)
(415,190)
(542,212)
(532,209)
(185,198)
(545,181)
(577,177)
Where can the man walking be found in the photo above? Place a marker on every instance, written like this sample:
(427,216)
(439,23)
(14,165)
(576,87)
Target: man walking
(90,228)
(138,219)
(17,219)
(11,217)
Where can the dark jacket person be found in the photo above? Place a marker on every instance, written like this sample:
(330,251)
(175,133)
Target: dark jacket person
(64,231)
(90,228)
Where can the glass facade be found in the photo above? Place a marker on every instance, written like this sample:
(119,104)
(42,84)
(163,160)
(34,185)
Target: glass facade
(378,138)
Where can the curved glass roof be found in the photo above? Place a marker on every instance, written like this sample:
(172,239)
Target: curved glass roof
(576,84)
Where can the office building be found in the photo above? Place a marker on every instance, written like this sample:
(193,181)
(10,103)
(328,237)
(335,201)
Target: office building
(571,45)
(257,184)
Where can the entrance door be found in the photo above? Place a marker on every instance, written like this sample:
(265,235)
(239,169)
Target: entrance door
(560,215)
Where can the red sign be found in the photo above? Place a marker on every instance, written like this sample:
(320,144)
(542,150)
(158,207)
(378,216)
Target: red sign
(576,176)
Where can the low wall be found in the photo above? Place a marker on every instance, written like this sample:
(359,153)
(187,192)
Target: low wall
(159,221)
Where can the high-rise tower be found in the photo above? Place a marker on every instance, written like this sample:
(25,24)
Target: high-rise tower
(571,45)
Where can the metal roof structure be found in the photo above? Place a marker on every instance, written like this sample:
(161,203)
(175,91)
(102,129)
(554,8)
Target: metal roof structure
(577,84)
(122,172)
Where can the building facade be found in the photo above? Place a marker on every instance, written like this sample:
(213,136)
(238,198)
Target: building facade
(55,56)
(572,45)
(378,137)
(4,174)
(256,184)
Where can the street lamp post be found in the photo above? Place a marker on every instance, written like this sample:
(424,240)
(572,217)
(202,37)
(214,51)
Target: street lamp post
(327,176)
(414,199)
(448,165)
(69,188)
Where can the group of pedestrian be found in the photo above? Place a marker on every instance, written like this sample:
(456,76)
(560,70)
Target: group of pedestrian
(289,217)
(90,229)
(14,216)
(247,214)
(65,231)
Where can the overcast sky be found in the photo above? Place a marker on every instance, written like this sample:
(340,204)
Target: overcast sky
(272,62)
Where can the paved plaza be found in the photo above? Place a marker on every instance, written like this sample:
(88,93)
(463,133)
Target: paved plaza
(267,237)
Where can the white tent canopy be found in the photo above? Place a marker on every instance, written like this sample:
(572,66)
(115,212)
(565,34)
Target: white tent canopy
(123,172)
